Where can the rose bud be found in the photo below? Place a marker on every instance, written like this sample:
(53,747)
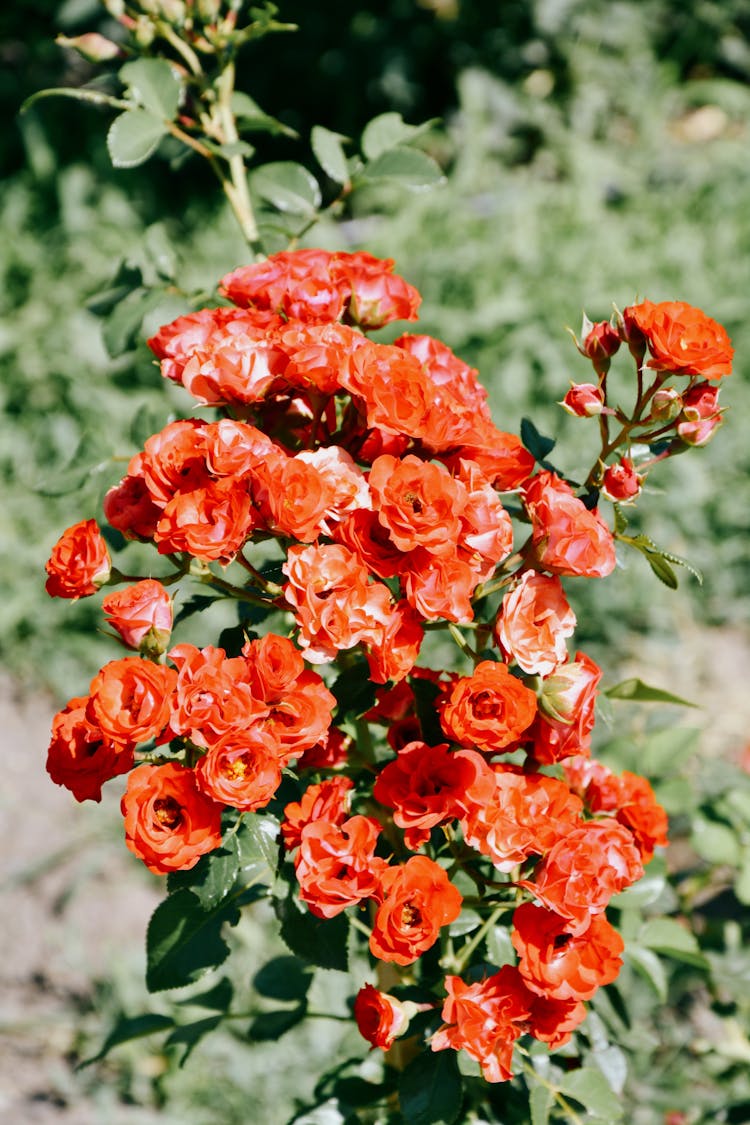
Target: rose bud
(600,342)
(142,615)
(584,400)
(91,46)
(666,404)
(621,482)
(701,416)
(381,1018)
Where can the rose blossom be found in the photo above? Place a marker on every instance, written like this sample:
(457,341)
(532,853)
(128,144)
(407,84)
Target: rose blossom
(534,621)
(568,538)
(141,613)
(79,563)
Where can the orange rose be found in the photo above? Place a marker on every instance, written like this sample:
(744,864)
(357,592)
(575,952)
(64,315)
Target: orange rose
(169,823)
(568,538)
(682,339)
(489,710)
(79,563)
(130,699)
(241,769)
(558,964)
(584,869)
(419,899)
(485,1019)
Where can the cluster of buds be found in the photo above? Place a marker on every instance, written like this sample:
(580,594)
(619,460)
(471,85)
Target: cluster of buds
(666,340)
(377,472)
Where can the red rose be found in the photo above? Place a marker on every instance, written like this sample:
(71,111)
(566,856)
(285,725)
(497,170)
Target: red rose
(80,757)
(380,1018)
(130,699)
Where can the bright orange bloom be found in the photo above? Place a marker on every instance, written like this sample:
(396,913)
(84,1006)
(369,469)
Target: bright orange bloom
(130,699)
(169,823)
(489,709)
(419,899)
(558,964)
(79,563)
(336,865)
(568,538)
(682,339)
(139,611)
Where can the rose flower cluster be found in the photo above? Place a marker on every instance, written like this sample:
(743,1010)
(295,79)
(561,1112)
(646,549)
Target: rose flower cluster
(377,472)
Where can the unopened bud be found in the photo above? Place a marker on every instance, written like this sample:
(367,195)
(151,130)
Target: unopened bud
(209,10)
(621,482)
(699,432)
(666,404)
(630,333)
(116,8)
(600,343)
(562,693)
(701,402)
(584,400)
(143,31)
(92,46)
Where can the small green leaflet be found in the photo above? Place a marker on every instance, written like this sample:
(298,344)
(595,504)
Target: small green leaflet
(288,187)
(635,689)
(431,1089)
(409,167)
(128,1028)
(184,940)
(154,85)
(329,153)
(387,131)
(133,137)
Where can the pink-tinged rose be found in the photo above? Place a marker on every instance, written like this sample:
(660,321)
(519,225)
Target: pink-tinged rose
(621,482)
(141,614)
(534,621)
(568,538)
(566,705)
(584,400)
(79,563)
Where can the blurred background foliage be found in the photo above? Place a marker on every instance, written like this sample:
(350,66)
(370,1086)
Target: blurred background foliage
(594,152)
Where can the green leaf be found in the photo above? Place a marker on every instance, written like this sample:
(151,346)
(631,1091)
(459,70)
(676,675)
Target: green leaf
(646,890)
(329,153)
(540,1103)
(124,282)
(621,520)
(659,559)
(668,937)
(409,167)
(499,946)
(643,693)
(665,750)
(146,422)
(387,131)
(288,187)
(216,999)
(537,444)
(213,876)
(320,941)
(589,1087)
(127,1029)
(190,1034)
(253,119)
(431,1089)
(272,1025)
(650,968)
(467,921)
(715,842)
(284,978)
(154,84)
(742,882)
(133,137)
(123,327)
(258,844)
(354,691)
(184,940)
